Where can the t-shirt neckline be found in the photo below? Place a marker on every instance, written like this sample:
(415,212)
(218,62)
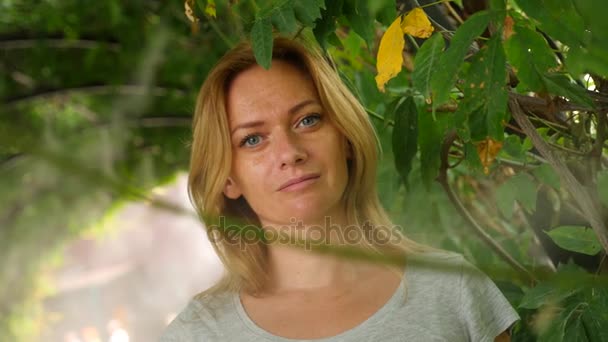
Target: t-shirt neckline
(397,297)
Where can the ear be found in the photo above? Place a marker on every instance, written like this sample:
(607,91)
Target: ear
(231,189)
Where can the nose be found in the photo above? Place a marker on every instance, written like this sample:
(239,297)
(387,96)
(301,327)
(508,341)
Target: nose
(289,150)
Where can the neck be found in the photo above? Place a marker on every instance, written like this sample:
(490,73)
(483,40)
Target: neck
(300,267)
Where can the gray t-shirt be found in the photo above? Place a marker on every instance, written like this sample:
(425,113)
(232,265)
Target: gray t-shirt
(448,299)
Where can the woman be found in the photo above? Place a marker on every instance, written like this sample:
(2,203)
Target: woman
(291,151)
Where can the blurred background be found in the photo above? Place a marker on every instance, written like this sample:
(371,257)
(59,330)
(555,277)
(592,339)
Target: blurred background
(97,236)
(133,276)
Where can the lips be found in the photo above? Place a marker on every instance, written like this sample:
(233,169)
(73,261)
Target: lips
(297,180)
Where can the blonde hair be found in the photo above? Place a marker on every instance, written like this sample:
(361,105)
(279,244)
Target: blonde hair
(246,263)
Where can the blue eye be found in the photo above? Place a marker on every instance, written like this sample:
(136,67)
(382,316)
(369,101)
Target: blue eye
(307,119)
(248,139)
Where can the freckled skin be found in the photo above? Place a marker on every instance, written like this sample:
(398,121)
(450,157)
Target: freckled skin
(284,147)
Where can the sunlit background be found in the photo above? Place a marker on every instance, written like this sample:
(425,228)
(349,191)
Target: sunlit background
(126,282)
(98,241)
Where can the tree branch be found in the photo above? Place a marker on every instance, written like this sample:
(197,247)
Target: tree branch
(19,44)
(584,200)
(146,122)
(541,106)
(477,229)
(94,89)
(600,137)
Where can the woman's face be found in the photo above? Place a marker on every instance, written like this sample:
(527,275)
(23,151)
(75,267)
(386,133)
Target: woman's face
(280,132)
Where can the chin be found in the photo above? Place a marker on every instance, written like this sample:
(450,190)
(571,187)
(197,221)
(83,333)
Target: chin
(310,215)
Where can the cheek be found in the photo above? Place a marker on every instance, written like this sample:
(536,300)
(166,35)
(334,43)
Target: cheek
(251,172)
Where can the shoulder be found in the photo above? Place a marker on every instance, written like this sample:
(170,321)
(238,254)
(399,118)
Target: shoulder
(461,289)
(437,264)
(435,278)
(447,265)
(199,320)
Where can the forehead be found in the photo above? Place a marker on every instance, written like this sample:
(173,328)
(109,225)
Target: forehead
(256,90)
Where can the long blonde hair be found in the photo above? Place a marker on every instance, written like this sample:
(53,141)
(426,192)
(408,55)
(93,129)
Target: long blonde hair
(246,263)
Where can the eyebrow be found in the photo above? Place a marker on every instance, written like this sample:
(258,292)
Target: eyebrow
(291,112)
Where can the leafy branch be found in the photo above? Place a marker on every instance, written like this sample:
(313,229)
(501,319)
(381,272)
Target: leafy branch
(584,200)
(477,229)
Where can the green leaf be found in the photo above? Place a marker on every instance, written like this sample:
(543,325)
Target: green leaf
(505,198)
(594,326)
(592,14)
(496,92)
(588,60)
(513,146)
(567,325)
(546,293)
(602,187)
(444,77)
(426,62)
(261,38)
(383,10)
(576,238)
(498,5)
(430,135)
(547,175)
(485,87)
(471,156)
(323,29)
(559,84)
(519,188)
(405,137)
(593,55)
(308,11)
(326,25)
(477,123)
(595,319)
(389,113)
(358,14)
(362,25)
(579,317)
(525,190)
(284,19)
(559,19)
(530,56)
(467,106)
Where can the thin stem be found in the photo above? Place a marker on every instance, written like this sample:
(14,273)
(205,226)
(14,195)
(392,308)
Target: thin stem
(601,265)
(550,124)
(515,163)
(433,3)
(453,12)
(565,149)
(413,41)
(435,23)
(379,117)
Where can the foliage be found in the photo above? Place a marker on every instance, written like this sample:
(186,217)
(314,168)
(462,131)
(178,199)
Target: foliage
(497,120)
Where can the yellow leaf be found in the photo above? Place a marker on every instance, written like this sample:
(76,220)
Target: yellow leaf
(417,24)
(390,54)
(487,151)
(188,7)
(210,8)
